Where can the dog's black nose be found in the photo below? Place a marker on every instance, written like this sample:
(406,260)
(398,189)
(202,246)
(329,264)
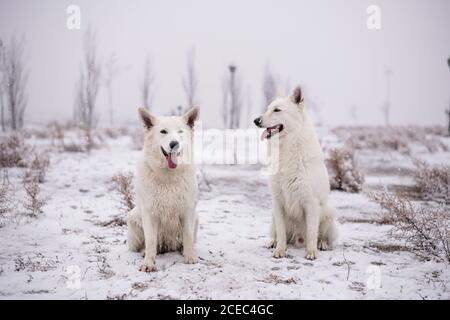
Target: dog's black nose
(257,121)
(173,145)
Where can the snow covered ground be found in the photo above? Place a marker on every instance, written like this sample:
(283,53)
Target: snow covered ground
(67,253)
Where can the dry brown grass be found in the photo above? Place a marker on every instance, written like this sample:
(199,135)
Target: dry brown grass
(432,183)
(424,230)
(343,171)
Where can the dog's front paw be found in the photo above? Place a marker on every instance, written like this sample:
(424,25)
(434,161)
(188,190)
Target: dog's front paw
(147,266)
(279,253)
(311,254)
(190,259)
(323,245)
(272,244)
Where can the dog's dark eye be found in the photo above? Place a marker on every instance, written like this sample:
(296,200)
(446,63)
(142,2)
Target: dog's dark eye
(276,110)
(180,131)
(164,131)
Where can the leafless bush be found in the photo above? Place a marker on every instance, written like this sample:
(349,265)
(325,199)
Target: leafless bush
(13,151)
(433,183)
(343,171)
(38,167)
(5,194)
(424,230)
(34,201)
(137,138)
(124,185)
(114,133)
(391,138)
(78,140)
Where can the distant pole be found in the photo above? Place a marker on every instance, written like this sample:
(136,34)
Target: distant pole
(232,69)
(387,104)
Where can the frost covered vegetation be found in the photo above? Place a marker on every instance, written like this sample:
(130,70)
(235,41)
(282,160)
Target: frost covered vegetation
(433,183)
(424,229)
(401,139)
(343,171)
(64,197)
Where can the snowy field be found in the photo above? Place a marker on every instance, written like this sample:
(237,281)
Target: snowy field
(70,252)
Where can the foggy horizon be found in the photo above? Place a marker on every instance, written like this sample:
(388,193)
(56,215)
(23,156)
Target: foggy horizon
(324,46)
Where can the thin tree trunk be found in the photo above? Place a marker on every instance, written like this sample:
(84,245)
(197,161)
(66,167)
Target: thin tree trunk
(111,107)
(2,113)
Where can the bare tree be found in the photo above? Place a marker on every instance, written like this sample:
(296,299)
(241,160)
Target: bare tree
(87,87)
(146,86)
(190,82)
(448,110)
(269,87)
(232,99)
(15,78)
(2,86)
(111,71)
(386,107)
(88,84)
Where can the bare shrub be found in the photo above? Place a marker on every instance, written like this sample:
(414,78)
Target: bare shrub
(137,138)
(13,151)
(114,133)
(391,138)
(39,166)
(34,201)
(343,171)
(80,140)
(433,183)
(5,196)
(124,185)
(426,231)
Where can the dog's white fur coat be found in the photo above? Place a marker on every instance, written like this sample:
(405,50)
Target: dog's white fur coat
(300,187)
(164,218)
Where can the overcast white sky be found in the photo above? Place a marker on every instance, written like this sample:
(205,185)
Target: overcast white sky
(323,45)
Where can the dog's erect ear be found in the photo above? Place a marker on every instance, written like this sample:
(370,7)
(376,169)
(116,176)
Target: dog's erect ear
(297,95)
(147,119)
(191,116)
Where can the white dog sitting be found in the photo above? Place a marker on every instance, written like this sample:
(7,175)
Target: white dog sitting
(164,218)
(300,187)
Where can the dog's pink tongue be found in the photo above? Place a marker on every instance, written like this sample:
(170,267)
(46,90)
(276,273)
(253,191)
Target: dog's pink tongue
(265,134)
(171,160)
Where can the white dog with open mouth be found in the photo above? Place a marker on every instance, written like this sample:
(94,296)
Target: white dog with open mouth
(300,186)
(164,218)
